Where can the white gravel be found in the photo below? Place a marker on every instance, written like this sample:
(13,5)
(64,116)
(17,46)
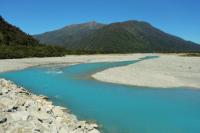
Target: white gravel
(167,71)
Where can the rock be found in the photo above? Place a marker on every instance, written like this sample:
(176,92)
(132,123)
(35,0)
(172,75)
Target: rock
(37,130)
(23,92)
(40,120)
(31,105)
(92,126)
(24,112)
(10,105)
(20,127)
(2,119)
(41,115)
(57,111)
(4,91)
(1,130)
(94,131)
(43,97)
(13,109)
(64,129)
(20,115)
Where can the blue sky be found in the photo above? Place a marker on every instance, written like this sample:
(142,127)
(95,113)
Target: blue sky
(178,17)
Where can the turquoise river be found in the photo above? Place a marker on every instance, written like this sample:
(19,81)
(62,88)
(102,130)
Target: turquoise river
(116,108)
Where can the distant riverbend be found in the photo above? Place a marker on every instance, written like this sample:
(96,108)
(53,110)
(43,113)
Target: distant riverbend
(118,108)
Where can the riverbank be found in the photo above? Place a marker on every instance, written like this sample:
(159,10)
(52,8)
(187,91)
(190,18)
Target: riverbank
(24,112)
(17,64)
(167,71)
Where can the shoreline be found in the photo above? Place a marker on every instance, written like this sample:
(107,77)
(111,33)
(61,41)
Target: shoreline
(18,64)
(22,111)
(167,72)
(26,112)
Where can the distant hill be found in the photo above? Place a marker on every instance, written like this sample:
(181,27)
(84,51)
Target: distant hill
(69,35)
(14,43)
(122,37)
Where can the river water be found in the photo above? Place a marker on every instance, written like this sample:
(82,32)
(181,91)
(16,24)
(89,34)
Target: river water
(116,108)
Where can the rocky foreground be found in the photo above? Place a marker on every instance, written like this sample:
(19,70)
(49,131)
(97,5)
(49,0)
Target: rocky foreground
(23,112)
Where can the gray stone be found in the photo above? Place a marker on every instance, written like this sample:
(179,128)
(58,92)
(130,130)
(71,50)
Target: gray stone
(23,112)
(20,115)
(43,97)
(3,119)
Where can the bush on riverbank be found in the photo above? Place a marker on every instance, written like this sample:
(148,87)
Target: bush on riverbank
(21,51)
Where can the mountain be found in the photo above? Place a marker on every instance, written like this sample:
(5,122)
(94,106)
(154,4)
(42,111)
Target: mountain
(11,35)
(70,34)
(121,37)
(15,43)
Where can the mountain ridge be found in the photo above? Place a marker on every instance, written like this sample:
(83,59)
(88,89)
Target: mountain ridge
(119,37)
(67,33)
